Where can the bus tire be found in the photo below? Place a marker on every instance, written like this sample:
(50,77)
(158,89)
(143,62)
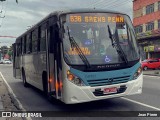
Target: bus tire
(25,84)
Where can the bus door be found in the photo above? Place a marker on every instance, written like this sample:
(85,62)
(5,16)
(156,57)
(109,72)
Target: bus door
(16,60)
(54,86)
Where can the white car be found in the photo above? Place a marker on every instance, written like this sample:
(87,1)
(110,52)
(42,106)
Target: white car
(7,61)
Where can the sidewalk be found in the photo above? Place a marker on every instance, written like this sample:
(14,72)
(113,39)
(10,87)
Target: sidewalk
(3,91)
(7,101)
(152,72)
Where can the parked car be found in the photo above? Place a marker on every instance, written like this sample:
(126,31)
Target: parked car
(6,61)
(151,64)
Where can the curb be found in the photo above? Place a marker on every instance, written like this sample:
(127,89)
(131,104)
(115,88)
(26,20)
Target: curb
(14,97)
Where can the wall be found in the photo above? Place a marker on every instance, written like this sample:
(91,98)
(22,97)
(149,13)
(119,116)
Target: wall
(139,12)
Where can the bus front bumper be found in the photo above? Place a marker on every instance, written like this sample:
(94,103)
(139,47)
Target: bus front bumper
(73,94)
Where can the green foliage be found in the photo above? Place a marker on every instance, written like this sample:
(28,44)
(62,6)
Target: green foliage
(4,49)
(9,53)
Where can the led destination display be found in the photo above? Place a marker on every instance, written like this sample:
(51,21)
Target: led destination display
(93,18)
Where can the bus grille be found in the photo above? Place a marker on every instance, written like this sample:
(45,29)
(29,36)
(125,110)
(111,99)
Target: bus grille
(109,81)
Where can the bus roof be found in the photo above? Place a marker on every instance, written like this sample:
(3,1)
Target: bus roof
(67,11)
(86,10)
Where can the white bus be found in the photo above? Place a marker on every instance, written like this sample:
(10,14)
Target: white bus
(80,56)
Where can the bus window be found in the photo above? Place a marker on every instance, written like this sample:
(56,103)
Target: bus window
(34,40)
(38,40)
(43,38)
(18,49)
(23,45)
(51,33)
(28,44)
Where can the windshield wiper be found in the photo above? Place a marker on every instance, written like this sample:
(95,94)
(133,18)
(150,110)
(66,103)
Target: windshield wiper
(78,49)
(117,46)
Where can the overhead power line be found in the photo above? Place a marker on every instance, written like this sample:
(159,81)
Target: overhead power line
(109,4)
(101,2)
(8,36)
(105,3)
(122,3)
(95,3)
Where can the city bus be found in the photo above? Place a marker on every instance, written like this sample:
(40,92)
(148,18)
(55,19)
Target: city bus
(80,55)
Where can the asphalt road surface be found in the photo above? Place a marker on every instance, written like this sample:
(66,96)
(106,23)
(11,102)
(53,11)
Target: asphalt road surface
(33,100)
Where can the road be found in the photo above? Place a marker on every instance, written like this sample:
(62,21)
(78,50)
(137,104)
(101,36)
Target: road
(33,100)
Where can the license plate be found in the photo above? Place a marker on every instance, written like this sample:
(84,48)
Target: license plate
(110,90)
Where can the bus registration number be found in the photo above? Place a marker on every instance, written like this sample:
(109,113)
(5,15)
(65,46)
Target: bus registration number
(110,90)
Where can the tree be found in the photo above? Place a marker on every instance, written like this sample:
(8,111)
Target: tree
(10,54)
(4,50)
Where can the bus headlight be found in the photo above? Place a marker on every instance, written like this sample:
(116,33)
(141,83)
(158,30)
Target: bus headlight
(137,73)
(74,79)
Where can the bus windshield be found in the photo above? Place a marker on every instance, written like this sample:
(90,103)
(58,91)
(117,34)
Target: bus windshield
(103,38)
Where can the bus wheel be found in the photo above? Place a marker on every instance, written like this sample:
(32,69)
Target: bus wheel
(24,79)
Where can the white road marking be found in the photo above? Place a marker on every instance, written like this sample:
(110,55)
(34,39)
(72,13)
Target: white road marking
(11,92)
(149,106)
(151,76)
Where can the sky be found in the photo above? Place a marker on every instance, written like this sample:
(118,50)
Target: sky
(15,18)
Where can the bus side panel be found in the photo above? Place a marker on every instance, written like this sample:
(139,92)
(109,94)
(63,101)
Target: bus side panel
(34,65)
(41,67)
(16,61)
(27,68)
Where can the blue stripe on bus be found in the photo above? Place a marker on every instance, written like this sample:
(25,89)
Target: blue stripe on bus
(102,77)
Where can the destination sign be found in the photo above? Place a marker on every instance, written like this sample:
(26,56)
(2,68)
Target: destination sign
(85,51)
(74,18)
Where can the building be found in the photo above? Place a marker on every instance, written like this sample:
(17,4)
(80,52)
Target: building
(146,20)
